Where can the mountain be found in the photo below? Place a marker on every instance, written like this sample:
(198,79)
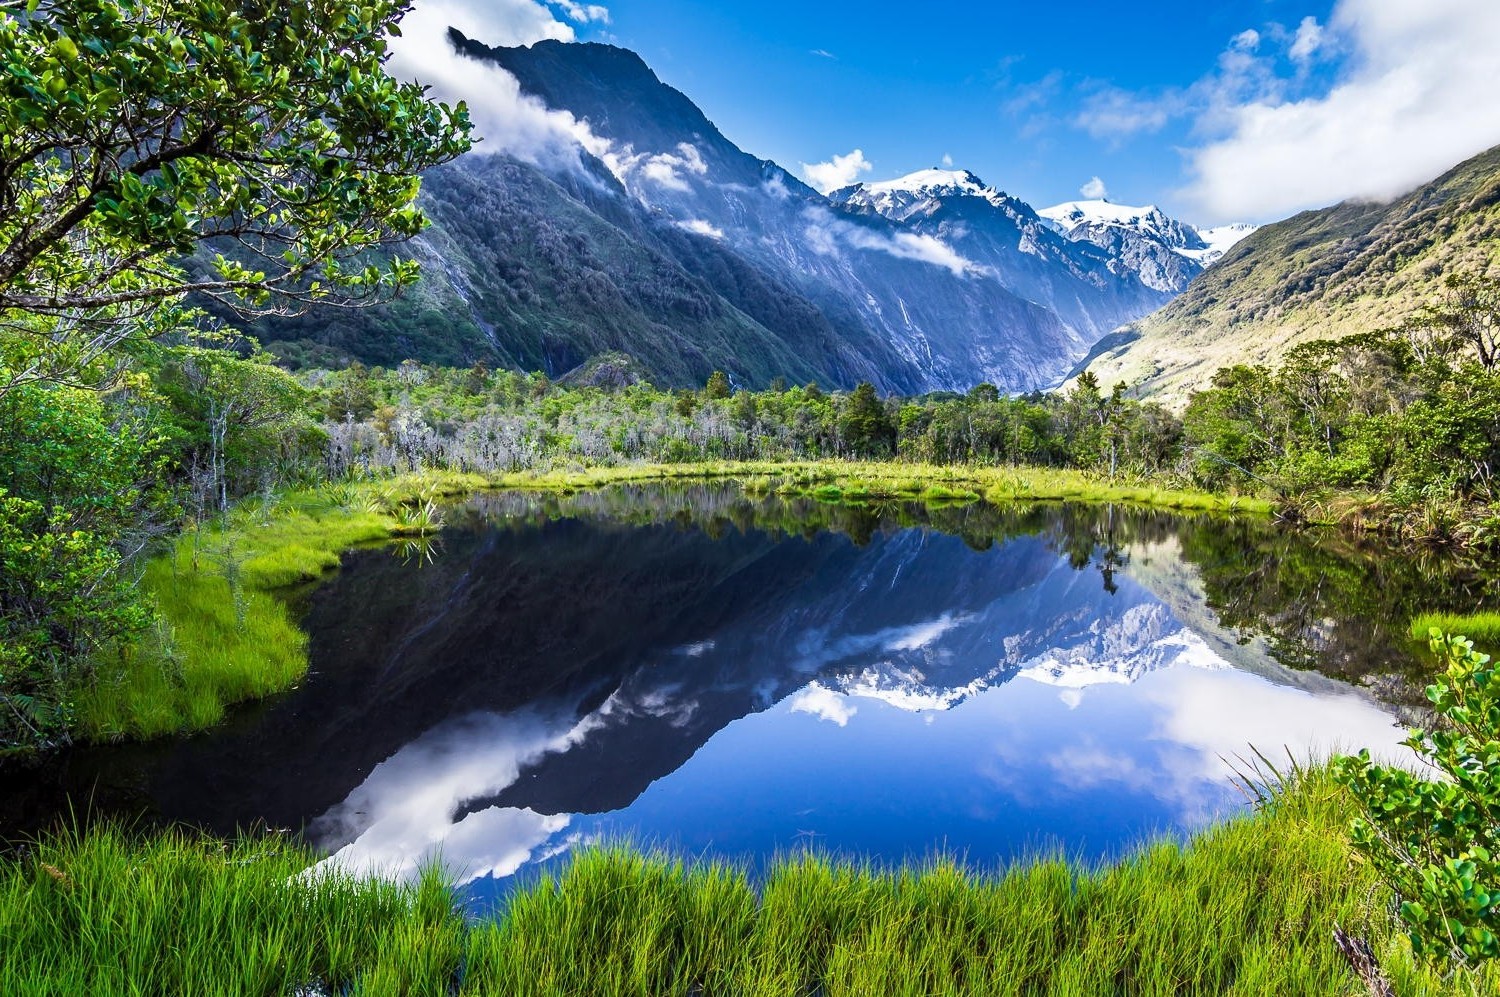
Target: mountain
(542,271)
(1163,252)
(951,324)
(669,243)
(1089,287)
(1355,267)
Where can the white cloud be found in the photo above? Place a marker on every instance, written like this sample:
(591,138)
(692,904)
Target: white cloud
(921,636)
(667,168)
(825,704)
(401,816)
(505,120)
(828,235)
(698,226)
(823,53)
(1307,41)
(947,161)
(582,13)
(1115,114)
(1411,101)
(840,171)
(1246,41)
(1094,190)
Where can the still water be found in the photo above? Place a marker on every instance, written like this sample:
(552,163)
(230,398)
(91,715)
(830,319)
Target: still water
(738,676)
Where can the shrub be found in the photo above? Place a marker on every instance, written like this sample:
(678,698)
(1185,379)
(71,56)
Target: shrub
(1437,841)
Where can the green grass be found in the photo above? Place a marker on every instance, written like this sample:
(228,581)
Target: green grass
(225,634)
(1482,628)
(1246,907)
(108,912)
(855,482)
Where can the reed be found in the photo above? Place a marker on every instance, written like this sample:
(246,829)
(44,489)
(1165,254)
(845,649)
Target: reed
(111,912)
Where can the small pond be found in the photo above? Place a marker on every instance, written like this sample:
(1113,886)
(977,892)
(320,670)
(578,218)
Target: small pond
(741,676)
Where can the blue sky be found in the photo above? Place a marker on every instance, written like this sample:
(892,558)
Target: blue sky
(1002,89)
(1219,111)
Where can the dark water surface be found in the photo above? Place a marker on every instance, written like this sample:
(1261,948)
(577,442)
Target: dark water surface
(740,676)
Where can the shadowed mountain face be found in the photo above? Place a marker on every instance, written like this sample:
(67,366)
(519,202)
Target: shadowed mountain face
(671,244)
(725,674)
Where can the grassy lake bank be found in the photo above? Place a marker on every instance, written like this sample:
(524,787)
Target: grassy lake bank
(1246,906)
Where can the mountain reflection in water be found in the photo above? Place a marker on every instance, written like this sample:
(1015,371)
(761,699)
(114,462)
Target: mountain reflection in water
(718,674)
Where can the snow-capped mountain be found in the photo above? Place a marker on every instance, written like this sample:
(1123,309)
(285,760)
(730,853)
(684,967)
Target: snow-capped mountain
(1090,288)
(652,234)
(920,193)
(903,301)
(1165,253)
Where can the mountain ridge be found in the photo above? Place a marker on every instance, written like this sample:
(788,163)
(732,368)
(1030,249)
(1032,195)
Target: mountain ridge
(1356,267)
(664,240)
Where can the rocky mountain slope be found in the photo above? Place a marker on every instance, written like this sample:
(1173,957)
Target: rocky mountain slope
(1355,267)
(668,242)
(1091,288)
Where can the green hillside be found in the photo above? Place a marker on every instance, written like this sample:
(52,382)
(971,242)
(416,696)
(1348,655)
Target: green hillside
(1355,267)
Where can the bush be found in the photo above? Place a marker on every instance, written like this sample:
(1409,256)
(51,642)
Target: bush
(61,601)
(1437,841)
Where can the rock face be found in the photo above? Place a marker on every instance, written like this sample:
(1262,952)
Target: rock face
(1356,267)
(662,239)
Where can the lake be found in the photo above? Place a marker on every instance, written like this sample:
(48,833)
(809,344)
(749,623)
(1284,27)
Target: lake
(741,676)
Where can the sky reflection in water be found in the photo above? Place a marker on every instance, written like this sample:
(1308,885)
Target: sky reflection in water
(887,700)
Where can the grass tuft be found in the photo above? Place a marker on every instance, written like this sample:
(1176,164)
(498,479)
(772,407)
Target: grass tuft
(1481,628)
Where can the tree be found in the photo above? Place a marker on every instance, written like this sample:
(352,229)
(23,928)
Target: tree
(77,486)
(984,391)
(718,385)
(1470,314)
(236,420)
(251,153)
(864,426)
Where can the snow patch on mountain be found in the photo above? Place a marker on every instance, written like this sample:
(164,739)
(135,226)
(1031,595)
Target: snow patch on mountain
(1145,639)
(919,193)
(1080,219)
(1221,239)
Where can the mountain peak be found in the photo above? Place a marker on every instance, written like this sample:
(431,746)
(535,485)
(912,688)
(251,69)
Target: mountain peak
(931,182)
(1102,211)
